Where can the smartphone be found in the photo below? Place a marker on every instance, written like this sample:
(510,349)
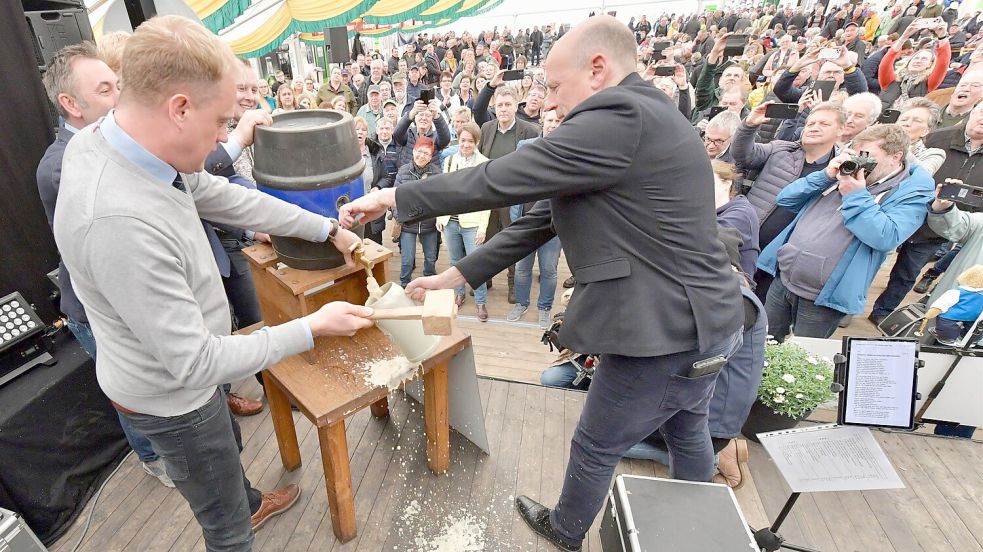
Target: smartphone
(825,88)
(718,109)
(829,53)
(658,48)
(782,111)
(513,75)
(426,95)
(665,71)
(889,116)
(706,367)
(735,45)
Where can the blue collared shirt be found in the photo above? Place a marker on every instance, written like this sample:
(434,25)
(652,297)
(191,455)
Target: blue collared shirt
(130,149)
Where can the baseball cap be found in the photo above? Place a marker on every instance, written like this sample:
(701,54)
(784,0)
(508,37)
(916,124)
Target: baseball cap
(374,88)
(345,73)
(417,67)
(398,77)
(390,101)
(851,24)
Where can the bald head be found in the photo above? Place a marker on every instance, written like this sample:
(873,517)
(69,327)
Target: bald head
(603,35)
(597,54)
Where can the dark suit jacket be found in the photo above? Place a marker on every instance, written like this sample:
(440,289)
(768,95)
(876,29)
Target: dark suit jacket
(49,179)
(632,203)
(524,130)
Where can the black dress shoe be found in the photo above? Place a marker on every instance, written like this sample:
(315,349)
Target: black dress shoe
(537,517)
(569,282)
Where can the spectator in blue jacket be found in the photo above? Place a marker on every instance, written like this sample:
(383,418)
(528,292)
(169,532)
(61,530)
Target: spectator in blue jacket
(844,228)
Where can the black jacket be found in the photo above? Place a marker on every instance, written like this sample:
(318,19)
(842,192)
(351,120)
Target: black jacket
(409,173)
(634,211)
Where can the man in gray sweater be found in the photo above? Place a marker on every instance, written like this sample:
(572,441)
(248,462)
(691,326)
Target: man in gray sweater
(127,223)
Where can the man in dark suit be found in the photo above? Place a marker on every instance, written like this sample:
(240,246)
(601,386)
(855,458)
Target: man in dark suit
(633,207)
(501,132)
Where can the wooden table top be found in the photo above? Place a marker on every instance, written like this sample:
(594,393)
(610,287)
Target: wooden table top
(335,386)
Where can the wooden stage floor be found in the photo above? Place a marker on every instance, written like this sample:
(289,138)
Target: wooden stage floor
(402,507)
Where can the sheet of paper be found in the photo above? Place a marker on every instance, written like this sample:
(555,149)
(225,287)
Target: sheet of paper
(880,383)
(830,458)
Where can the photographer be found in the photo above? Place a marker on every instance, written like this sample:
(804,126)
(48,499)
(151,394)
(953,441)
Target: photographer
(841,71)
(711,85)
(849,217)
(922,73)
(963,147)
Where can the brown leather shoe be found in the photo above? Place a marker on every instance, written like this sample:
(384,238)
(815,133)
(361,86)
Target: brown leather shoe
(241,406)
(732,464)
(275,503)
(482,313)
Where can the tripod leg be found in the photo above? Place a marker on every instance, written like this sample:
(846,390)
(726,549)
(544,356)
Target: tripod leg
(798,548)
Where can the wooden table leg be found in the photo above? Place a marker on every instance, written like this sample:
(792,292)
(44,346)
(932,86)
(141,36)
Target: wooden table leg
(283,423)
(338,479)
(380,408)
(436,418)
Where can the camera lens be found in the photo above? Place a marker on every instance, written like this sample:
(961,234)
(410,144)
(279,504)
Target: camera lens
(849,167)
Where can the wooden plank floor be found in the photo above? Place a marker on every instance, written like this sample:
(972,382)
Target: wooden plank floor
(401,506)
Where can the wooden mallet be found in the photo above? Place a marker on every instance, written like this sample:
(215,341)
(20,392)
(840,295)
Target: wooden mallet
(436,313)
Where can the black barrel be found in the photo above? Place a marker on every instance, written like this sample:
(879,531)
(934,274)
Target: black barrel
(310,158)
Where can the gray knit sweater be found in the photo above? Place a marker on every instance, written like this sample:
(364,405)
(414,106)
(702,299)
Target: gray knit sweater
(144,271)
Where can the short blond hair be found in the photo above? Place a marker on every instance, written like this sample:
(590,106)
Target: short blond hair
(170,53)
(111,47)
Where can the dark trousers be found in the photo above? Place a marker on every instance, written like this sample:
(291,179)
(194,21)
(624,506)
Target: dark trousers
(201,455)
(943,264)
(629,397)
(788,312)
(499,220)
(912,257)
(536,52)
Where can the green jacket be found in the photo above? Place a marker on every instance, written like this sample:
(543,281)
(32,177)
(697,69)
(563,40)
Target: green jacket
(326,94)
(707,91)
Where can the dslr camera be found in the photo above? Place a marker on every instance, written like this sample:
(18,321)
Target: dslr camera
(857,162)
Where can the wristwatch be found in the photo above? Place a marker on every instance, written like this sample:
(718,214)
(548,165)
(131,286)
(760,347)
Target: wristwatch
(335,225)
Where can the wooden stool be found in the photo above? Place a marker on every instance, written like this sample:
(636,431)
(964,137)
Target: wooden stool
(328,383)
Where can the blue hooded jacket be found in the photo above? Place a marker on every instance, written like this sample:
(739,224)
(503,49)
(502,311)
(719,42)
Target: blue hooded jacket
(878,229)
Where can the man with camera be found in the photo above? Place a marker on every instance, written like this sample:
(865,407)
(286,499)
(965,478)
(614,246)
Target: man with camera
(841,70)
(848,218)
(963,147)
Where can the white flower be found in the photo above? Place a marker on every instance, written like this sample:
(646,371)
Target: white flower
(812,361)
(779,398)
(799,395)
(820,377)
(788,378)
(779,390)
(766,364)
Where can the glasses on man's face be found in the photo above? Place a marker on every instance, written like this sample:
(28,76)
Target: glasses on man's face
(715,141)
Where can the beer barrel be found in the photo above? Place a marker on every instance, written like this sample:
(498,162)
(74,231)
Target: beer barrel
(309,158)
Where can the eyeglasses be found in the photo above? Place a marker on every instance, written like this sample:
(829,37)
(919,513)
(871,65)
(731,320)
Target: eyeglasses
(716,142)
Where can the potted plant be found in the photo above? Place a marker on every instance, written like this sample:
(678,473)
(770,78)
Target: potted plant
(793,384)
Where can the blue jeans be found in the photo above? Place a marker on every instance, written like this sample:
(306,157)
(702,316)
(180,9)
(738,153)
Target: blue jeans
(912,257)
(562,375)
(201,455)
(629,398)
(787,312)
(138,441)
(549,257)
(407,255)
(460,242)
